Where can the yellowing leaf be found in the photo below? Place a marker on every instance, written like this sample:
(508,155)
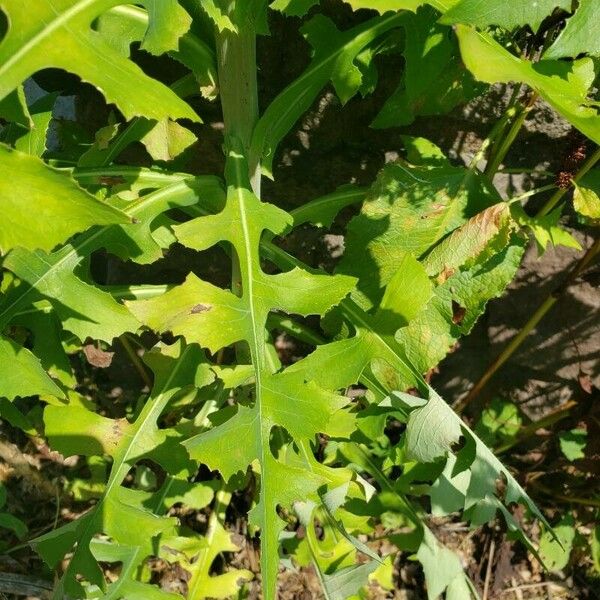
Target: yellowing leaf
(408,210)
(586,200)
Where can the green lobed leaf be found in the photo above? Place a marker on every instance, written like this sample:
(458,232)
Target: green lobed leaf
(572,443)
(441,566)
(508,14)
(197,555)
(546,230)
(432,63)
(121,513)
(125,24)
(215,318)
(564,85)
(85,309)
(334,58)
(469,480)
(218,15)
(341,363)
(59,34)
(43,207)
(581,35)
(21,373)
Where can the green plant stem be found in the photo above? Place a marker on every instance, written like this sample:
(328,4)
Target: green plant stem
(496,131)
(535,192)
(505,144)
(558,195)
(238,87)
(563,498)
(531,324)
(509,113)
(136,361)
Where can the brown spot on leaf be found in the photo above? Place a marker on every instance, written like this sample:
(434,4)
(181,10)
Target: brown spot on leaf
(200,308)
(445,274)
(111,180)
(458,313)
(98,357)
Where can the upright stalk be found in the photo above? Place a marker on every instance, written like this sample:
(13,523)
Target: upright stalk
(238,88)
(506,143)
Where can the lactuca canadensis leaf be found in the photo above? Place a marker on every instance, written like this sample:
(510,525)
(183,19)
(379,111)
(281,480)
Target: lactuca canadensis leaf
(216,318)
(42,207)
(342,362)
(432,59)
(122,513)
(581,34)
(564,85)
(21,373)
(469,480)
(509,14)
(334,59)
(85,309)
(60,34)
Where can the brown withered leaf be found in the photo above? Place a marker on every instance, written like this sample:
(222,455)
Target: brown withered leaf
(98,357)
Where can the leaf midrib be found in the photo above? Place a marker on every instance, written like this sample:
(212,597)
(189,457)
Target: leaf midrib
(61,21)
